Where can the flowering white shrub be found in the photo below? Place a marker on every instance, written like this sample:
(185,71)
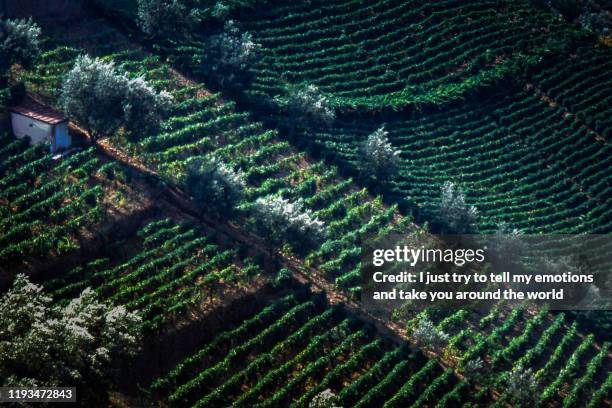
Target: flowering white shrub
(279,220)
(51,345)
(102,100)
(453,214)
(379,156)
(307,103)
(214,185)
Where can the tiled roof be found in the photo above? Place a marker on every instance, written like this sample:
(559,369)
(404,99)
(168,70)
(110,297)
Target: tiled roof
(39,112)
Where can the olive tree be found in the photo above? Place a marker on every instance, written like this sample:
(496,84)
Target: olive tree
(103,100)
(44,344)
(19,44)
(279,221)
(307,104)
(380,159)
(165,18)
(453,214)
(324,399)
(220,11)
(230,54)
(522,387)
(215,186)
(427,334)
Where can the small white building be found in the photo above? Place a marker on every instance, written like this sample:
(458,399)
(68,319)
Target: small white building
(42,124)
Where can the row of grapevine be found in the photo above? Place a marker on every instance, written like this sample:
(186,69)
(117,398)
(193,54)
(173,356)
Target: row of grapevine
(44,202)
(581,84)
(520,160)
(295,348)
(387,53)
(176,268)
(509,340)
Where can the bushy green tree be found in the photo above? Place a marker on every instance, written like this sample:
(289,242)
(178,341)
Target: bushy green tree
(42,344)
(165,18)
(103,100)
(380,159)
(215,186)
(453,214)
(279,221)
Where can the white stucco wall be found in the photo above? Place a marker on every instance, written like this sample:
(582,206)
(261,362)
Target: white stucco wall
(24,126)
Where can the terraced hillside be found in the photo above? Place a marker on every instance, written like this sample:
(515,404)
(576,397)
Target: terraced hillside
(202,125)
(504,114)
(531,151)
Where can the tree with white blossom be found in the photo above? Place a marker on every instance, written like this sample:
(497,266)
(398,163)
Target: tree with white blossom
(46,344)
